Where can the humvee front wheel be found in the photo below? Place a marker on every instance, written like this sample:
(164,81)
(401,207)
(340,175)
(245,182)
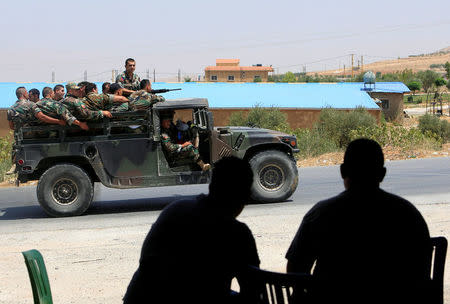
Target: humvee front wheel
(275,176)
(65,190)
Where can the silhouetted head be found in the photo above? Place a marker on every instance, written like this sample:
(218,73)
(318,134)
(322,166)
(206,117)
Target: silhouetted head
(230,185)
(116,89)
(363,164)
(90,88)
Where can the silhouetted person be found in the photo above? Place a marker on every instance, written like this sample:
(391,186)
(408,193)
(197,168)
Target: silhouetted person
(196,247)
(368,246)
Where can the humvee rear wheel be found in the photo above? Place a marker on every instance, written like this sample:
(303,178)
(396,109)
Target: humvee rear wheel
(65,190)
(275,176)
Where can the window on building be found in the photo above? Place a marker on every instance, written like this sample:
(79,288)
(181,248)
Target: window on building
(230,78)
(385,104)
(214,77)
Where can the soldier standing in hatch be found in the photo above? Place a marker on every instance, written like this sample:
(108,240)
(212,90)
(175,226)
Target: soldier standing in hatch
(57,110)
(77,107)
(142,100)
(179,151)
(129,80)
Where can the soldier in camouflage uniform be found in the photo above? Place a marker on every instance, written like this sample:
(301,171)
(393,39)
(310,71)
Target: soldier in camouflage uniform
(57,110)
(78,108)
(142,100)
(117,89)
(95,101)
(178,151)
(128,78)
(26,113)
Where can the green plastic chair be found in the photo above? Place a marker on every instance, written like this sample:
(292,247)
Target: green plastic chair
(38,277)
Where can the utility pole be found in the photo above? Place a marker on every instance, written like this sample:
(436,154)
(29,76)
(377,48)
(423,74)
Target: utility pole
(352,66)
(148,74)
(179,75)
(85,75)
(53,76)
(112,76)
(344,70)
(154,75)
(362,64)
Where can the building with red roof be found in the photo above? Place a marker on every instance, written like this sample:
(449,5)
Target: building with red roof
(228,70)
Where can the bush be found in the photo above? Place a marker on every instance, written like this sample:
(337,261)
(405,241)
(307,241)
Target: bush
(5,155)
(336,125)
(430,123)
(311,143)
(397,136)
(268,118)
(410,98)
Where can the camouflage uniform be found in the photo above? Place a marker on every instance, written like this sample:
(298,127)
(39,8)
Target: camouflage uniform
(175,151)
(96,102)
(23,112)
(56,110)
(77,107)
(132,83)
(143,100)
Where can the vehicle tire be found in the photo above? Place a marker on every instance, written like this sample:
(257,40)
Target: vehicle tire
(275,176)
(65,190)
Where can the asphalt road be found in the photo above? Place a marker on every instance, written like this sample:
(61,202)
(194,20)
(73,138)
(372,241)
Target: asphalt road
(422,181)
(106,241)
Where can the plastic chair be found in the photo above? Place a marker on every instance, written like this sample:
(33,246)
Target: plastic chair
(439,245)
(266,287)
(38,277)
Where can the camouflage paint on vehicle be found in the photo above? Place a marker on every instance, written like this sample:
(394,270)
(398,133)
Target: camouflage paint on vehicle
(119,157)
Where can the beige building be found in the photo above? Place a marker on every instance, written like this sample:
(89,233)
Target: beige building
(228,70)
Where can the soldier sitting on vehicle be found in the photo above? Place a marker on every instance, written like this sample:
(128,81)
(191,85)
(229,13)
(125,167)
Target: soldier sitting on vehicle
(117,89)
(57,110)
(59,92)
(25,112)
(142,100)
(34,95)
(95,101)
(175,151)
(77,107)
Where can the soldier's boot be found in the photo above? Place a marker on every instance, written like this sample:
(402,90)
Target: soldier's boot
(12,170)
(205,167)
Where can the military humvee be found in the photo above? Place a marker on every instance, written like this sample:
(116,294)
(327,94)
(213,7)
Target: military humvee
(126,152)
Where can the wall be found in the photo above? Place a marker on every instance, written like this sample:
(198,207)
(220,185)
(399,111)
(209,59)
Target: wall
(297,118)
(395,110)
(4,125)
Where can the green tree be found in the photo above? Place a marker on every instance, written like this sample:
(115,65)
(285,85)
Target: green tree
(439,82)
(187,79)
(289,77)
(447,69)
(414,86)
(428,78)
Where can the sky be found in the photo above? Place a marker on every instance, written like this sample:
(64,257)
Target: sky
(67,38)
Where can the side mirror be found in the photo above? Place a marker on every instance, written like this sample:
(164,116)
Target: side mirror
(210,118)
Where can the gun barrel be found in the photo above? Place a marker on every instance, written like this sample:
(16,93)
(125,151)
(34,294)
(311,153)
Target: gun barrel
(163,91)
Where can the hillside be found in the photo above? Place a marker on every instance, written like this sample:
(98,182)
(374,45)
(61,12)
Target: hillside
(415,63)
